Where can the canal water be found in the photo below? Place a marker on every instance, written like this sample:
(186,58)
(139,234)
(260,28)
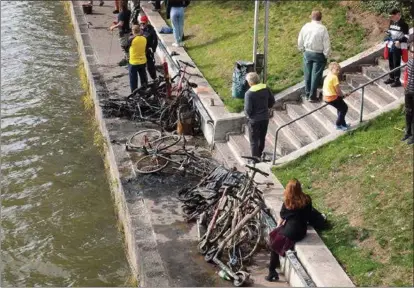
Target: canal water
(57,217)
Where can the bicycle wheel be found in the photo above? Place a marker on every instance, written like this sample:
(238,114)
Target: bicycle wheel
(165,142)
(151,164)
(248,239)
(143,138)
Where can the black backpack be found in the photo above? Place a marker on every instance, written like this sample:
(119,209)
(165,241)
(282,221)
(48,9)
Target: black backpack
(318,220)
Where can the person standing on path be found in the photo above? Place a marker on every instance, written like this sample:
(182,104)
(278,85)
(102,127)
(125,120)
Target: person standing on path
(175,11)
(124,31)
(314,42)
(396,39)
(137,58)
(118,4)
(152,43)
(333,95)
(409,95)
(257,102)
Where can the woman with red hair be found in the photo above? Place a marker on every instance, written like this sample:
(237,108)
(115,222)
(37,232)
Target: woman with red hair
(295,215)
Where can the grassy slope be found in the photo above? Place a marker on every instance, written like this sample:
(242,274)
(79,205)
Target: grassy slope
(222,33)
(364,180)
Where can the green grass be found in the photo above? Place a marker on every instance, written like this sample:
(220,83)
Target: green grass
(364,181)
(221,32)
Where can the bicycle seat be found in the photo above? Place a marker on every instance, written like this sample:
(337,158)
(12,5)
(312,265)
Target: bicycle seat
(187,64)
(192,85)
(257,170)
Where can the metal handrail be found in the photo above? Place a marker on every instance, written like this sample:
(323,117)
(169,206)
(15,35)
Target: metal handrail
(326,104)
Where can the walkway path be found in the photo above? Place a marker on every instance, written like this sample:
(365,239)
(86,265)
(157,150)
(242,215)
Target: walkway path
(164,245)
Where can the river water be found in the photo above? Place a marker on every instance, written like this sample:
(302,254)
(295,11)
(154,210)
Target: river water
(57,216)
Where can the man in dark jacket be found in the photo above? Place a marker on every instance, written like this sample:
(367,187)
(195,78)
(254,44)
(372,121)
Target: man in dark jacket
(152,43)
(396,39)
(409,96)
(258,100)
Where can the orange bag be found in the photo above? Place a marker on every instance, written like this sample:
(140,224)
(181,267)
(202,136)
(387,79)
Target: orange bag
(404,55)
(386,51)
(405,77)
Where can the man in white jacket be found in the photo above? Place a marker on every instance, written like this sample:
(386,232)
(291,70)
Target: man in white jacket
(314,42)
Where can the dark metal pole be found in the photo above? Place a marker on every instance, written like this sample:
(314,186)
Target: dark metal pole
(362,104)
(266,40)
(255,32)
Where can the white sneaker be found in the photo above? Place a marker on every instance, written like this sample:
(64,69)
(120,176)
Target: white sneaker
(176,45)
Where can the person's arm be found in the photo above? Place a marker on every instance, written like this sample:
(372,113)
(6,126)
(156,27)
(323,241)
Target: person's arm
(326,44)
(120,22)
(154,43)
(271,99)
(338,90)
(405,29)
(301,44)
(248,105)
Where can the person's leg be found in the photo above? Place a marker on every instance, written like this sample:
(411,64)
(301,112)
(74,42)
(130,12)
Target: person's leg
(342,109)
(263,132)
(254,138)
(336,104)
(175,22)
(317,70)
(142,71)
(133,77)
(123,41)
(409,114)
(274,263)
(151,65)
(307,68)
(180,23)
(391,66)
(396,58)
(157,5)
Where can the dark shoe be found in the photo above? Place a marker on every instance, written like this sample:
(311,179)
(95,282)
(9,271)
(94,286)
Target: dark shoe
(123,62)
(406,136)
(410,141)
(101,3)
(115,11)
(313,100)
(273,276)
(389,81)
(396,84)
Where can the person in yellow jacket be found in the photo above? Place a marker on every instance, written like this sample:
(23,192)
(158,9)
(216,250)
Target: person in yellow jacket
(137,58)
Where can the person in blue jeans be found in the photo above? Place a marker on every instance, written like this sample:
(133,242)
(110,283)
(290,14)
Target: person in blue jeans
(175,12)
(137,58)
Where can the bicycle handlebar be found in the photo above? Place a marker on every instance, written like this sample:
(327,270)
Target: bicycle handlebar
(257,170)
(186,63)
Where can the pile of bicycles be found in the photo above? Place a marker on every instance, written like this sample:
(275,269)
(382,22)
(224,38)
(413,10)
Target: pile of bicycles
(159,103)
(230,207)
(161,151)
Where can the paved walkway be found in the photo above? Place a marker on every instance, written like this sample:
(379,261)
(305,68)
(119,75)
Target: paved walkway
(165,243)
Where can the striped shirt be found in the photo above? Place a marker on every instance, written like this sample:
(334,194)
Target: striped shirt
(410,84)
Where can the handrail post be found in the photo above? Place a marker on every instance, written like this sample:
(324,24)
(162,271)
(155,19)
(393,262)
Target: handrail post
(362,104)
(274,148)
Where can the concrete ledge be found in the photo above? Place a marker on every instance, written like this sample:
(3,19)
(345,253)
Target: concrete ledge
(141,246)
(353,64)
(224,121)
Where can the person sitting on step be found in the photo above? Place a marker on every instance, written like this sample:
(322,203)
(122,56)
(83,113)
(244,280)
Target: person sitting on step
(333,95)
(295,214)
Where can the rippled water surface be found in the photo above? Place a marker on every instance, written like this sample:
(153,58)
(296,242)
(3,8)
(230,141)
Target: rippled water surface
(57,217)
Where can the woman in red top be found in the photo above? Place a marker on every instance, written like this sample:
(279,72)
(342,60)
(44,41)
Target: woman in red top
(295,215)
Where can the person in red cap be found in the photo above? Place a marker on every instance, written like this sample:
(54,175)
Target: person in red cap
(152,43)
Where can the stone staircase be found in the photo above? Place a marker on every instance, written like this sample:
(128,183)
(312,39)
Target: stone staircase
(304,133)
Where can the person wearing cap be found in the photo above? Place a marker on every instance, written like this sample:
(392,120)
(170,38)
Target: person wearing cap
(409,95)
(137,58)
(257,102)
(314,42)
(396,39)
(152,43)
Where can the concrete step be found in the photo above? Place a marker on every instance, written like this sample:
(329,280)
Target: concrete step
(309,124)
(239,145)
(372,92)
(325,116)
(294,131)
(373,72)
(284,146)
(225,156)
(354,102)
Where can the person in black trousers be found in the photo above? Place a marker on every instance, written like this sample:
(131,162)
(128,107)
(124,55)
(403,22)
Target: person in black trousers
(396,38)
(152,43)
(409,96)
(258,100)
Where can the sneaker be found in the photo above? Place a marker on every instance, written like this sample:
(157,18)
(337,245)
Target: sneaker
(123,62)
(342,128)
(346,127)
(410,141)
(389,81)
(115,11)
(176,45)
(396,84)
(406,136)
(101,3)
